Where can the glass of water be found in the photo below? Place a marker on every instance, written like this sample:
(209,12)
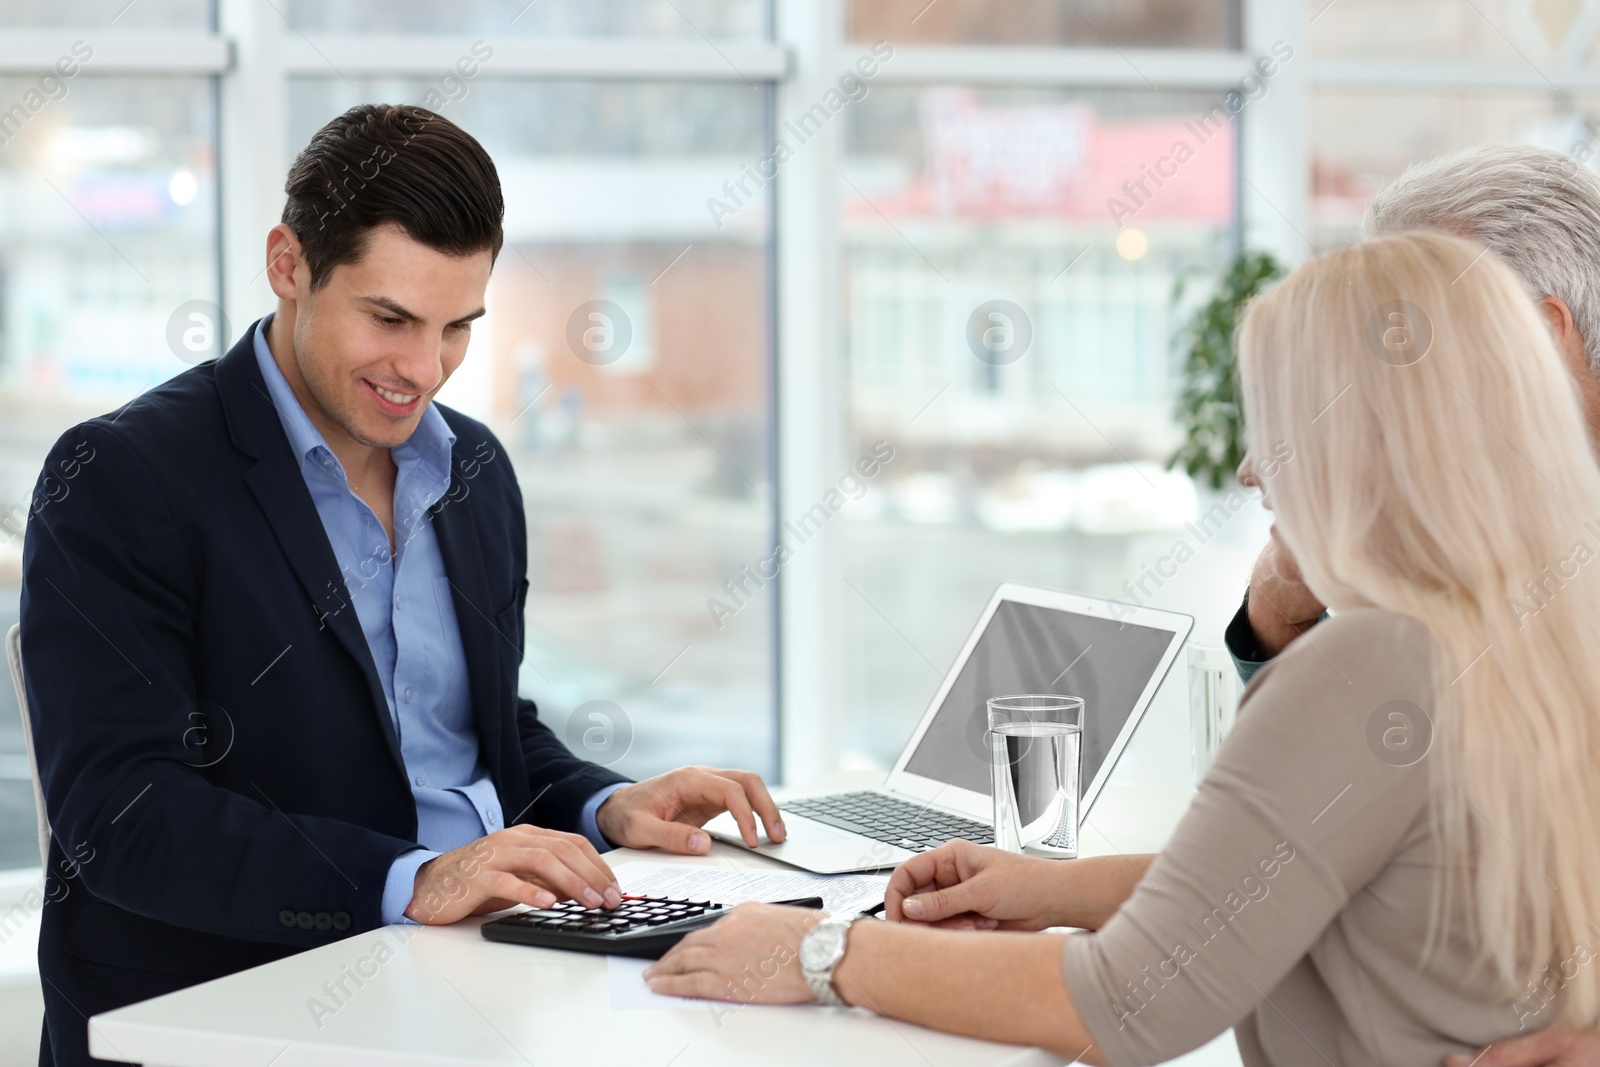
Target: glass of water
(1036,754)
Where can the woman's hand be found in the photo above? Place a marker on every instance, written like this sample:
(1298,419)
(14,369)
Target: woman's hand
(751,955)
(1557,1047)
(975,887)
(997,986)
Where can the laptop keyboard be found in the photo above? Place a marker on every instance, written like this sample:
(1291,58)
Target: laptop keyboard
(890,820)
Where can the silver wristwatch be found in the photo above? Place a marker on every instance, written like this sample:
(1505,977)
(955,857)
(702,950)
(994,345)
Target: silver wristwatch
(820,952)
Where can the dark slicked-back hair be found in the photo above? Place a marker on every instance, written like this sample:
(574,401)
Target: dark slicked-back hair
(381,163)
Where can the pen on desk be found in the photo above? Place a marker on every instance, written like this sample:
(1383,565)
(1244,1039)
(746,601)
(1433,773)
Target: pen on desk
(816,902)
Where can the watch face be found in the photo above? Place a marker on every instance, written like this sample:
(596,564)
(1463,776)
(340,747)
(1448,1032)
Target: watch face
(822,947)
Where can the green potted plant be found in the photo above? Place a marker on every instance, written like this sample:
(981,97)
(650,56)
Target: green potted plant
(1209,407)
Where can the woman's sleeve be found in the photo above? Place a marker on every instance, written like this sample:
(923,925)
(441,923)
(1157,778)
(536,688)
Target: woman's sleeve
(1308,799)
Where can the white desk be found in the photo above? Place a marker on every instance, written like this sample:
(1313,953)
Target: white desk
(445,996)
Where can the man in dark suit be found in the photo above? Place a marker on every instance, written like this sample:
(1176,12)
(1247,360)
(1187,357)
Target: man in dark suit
(272,618)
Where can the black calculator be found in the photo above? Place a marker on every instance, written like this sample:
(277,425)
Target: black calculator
(642,926)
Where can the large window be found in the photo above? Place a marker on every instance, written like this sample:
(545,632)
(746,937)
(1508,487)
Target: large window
(1010,326)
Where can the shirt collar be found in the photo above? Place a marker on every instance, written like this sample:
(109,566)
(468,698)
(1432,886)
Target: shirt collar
(430,442)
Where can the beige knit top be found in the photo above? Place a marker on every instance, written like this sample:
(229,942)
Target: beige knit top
(1293,900)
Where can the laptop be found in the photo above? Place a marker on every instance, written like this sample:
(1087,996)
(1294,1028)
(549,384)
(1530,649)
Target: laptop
(1027,640)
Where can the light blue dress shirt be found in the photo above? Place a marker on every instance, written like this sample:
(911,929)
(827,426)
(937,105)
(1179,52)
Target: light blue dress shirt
(406,612)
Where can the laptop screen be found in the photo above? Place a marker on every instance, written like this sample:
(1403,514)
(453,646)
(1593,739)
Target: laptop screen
(1031,649)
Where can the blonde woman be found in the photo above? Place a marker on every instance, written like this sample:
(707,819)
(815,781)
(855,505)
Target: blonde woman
(1391,860)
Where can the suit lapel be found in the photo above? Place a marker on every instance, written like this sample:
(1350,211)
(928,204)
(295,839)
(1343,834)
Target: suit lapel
(280,489)
(462,552)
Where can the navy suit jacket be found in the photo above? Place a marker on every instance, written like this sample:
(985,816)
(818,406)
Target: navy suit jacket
(220,769)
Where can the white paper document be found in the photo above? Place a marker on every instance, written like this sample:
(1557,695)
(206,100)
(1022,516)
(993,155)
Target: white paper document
(625,975)
(734,885)
(724,885)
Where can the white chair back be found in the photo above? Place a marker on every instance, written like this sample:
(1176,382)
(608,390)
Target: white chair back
(14,657)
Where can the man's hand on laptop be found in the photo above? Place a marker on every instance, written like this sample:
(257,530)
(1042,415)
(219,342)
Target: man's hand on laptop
(518,865)
(668,810)
(1280,608)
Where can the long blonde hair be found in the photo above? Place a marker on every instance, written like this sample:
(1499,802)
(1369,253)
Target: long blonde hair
(1441,469)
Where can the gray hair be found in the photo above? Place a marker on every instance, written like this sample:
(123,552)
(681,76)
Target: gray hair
(1536,209)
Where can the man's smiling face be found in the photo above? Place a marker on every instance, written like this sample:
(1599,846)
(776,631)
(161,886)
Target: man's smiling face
(375,343)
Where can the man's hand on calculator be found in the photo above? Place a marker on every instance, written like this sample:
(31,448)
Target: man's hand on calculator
(518,865)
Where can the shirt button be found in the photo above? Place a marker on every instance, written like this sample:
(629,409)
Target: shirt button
(421,780)
(493,818)
(397,601)
(408,696)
